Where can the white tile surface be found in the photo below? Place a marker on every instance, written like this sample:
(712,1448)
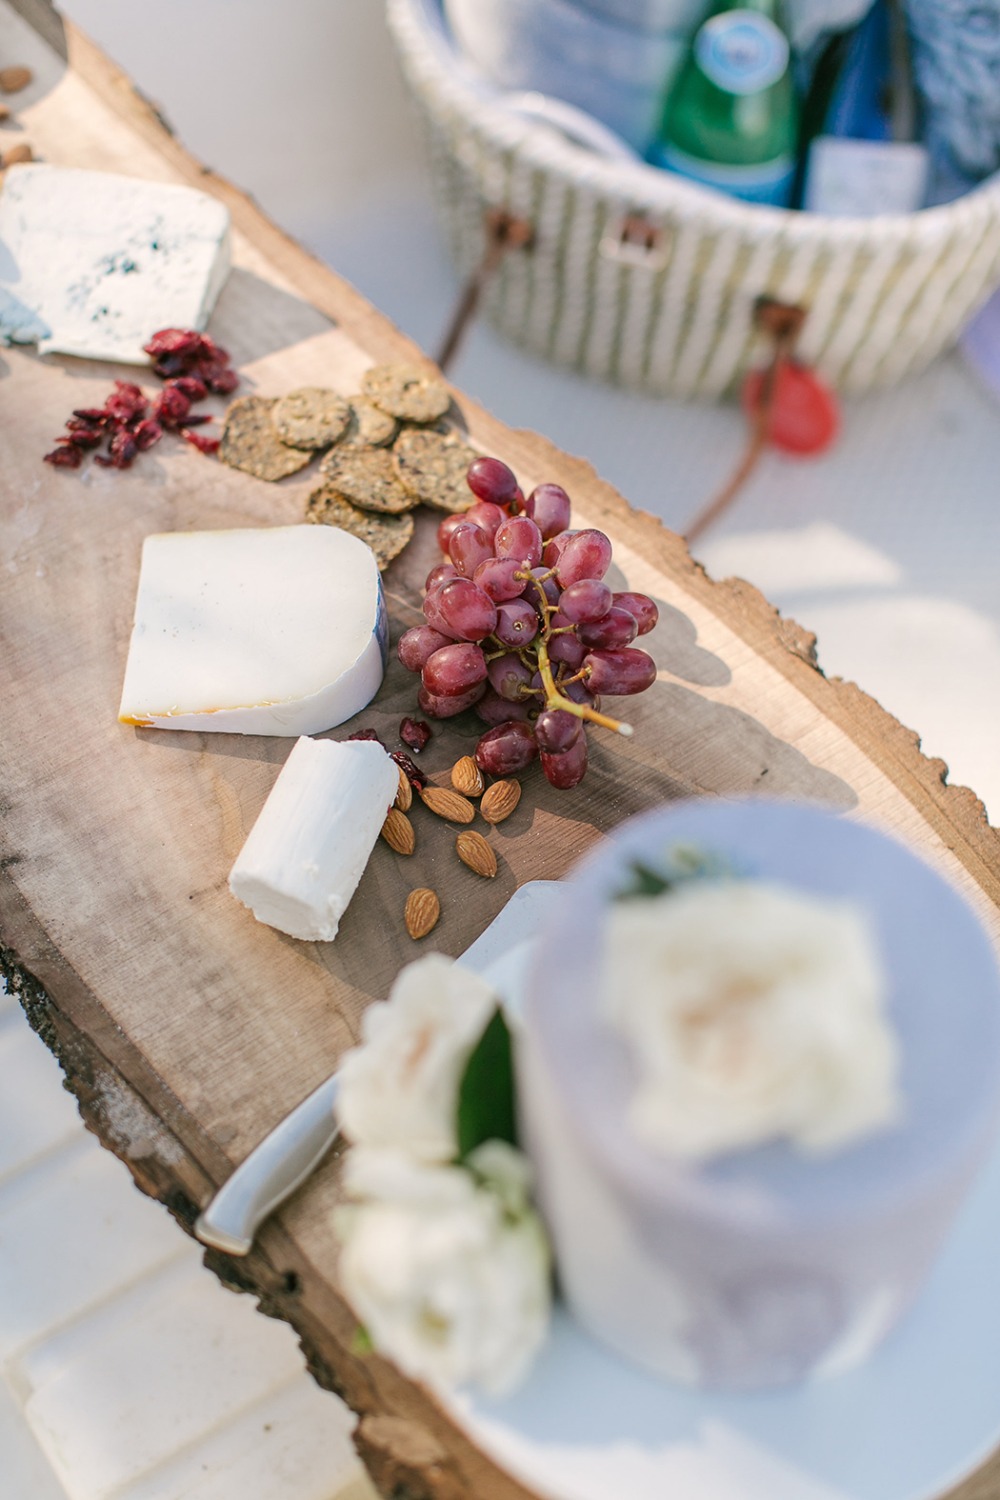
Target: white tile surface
(25,1472)
(74,1231)
(293,1446)
(134,1383)
(36,1114)
(125,1369)
(814,558)
(934,660)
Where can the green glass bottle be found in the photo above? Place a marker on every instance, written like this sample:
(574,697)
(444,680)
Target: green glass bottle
(731,117)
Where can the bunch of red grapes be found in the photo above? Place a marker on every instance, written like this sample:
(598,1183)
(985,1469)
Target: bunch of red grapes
(521,626)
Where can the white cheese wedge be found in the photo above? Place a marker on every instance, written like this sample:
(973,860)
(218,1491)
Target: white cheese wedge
(92,263)
(281,631)
(308,849)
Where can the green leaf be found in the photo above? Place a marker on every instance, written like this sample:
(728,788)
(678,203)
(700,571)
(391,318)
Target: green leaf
(486,1092)
(644,882)
(682,863)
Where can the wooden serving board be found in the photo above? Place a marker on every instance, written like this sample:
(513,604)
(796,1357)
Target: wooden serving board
(185,1029)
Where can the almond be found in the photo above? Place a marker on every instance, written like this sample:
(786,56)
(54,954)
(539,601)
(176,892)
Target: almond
(21,152)
(404,797)
(397,830)
(500,801)
(448,804)
(12,80)
(422,911)
(474,851)
(467,778)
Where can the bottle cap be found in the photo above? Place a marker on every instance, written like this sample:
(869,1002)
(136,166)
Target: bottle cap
(741,51)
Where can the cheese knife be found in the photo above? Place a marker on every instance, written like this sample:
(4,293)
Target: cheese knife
(296,1146)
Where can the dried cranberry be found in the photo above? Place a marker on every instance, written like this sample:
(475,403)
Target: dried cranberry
(191,364)
(83,437)
(66,456)
(170,365)
(213,350)
(415,733)
(174,341)
(146,434)
(126,403)
(208,445)
(171,406)
(198,419)
(218,377)
(415,776)
(122,448)
(193,388)
(225,382)
(367,734)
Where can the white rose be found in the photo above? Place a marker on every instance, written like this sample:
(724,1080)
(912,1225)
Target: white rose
(507,1173)
(752,1012)
(445,1280)
(400,1087)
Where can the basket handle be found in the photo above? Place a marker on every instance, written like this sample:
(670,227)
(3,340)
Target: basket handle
(504,232)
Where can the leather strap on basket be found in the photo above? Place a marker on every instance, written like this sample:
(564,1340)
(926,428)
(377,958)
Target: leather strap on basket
(503,232)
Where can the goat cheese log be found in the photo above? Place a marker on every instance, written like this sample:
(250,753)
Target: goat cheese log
(308,849)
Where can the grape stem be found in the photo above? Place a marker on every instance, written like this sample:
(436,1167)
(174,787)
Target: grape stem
(555,699)
(550,688)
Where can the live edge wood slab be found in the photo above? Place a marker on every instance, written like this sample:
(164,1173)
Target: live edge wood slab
(185,1030)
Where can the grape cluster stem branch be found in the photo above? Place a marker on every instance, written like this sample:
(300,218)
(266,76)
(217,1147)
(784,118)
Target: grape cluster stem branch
(555,699)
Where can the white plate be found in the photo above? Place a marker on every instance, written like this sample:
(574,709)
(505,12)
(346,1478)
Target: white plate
(914,1420)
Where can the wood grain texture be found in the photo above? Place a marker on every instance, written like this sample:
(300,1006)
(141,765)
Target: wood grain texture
(186,1030)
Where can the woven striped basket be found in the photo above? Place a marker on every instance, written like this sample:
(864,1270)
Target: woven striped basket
(669,311)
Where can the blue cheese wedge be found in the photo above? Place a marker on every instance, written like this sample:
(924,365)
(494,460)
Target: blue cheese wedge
(92,263)
(281,631)
(308,849)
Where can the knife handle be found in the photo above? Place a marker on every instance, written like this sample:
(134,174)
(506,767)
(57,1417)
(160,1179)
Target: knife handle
(285,1157)
(272,1171)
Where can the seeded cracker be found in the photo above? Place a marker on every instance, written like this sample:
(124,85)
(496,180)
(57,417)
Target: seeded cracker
(366,477)
(369,426)
(385,535)
(433,466)
(249,441)
(311,418)
(407,392)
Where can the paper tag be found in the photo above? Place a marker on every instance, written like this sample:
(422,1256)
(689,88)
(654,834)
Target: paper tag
(861,179)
